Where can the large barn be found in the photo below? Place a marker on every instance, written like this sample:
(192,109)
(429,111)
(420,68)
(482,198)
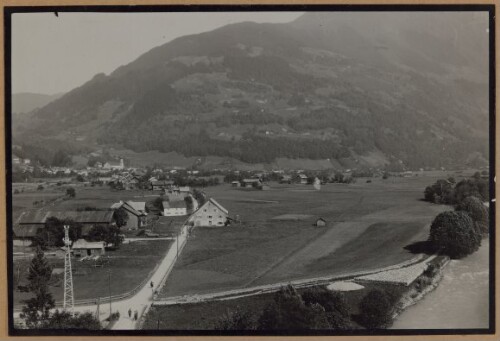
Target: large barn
(30,223)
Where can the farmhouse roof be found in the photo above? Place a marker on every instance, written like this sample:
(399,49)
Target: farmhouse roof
(219,206)
(83,244)
(130,206)
(84,217)
(251,180)
(138,205)
(174,204)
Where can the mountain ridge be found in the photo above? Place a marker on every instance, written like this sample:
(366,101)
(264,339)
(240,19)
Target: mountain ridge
(258,92)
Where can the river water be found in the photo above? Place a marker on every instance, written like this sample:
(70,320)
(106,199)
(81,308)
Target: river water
(460,300)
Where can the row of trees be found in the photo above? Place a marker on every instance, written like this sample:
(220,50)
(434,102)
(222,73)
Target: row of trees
(315,308)
(448,192)
(458,233)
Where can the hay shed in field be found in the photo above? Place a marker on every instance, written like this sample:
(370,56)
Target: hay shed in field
(320,222)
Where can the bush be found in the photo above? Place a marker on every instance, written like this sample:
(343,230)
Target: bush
(454,234)
(431,271)
(70,192)
(64,320)
(40,188)
(441,192)
(475,187)
(289,312)
(333,303)
(237,320)
(477,211)
(375,310)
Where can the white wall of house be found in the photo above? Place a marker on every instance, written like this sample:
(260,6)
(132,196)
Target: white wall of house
(209,215)
(169,212)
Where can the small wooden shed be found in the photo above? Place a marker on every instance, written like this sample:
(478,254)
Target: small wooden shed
(83,248)
(320,222)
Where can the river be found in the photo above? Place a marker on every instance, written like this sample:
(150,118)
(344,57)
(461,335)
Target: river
(459,302)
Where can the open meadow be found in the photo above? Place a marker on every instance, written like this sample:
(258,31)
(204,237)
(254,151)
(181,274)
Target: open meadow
(129,266)
(368,226)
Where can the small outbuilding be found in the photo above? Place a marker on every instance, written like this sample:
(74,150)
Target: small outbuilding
(83,248)
(320,222)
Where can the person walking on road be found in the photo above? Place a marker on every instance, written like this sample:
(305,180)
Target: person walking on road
(135,315)
(152,284)
(129,313)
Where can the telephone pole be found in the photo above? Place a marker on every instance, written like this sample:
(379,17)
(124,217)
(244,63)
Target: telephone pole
(69,300)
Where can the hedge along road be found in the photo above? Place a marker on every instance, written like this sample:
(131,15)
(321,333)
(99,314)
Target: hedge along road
(142,299)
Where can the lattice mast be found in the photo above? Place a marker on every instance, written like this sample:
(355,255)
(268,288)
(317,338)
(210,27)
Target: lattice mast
(69,301)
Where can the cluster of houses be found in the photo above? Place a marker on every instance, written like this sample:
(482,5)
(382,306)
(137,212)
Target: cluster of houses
(175,204)
(256,182)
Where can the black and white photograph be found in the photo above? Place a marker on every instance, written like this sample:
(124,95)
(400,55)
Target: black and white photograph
(250,170)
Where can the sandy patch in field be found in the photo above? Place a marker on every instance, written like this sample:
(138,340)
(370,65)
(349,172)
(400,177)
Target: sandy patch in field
(291,216)
(256,201)
(344,286)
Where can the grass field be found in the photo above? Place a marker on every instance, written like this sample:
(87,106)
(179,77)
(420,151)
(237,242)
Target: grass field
(129,266)
(368,226)
(54,198)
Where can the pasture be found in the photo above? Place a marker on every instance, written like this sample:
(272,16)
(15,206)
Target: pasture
(129,266)
(368,226)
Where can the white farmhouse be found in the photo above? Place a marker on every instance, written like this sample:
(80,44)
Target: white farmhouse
(210,213)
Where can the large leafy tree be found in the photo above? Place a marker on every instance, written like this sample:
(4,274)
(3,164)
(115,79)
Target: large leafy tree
(108,234)
(454,234)
(375,310)
(334,304)
(61,158)
(37,309)
(53,233)
(121,217)
(290,312)
(477,211)
(475,187)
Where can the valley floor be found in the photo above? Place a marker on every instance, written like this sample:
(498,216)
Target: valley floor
(369,224)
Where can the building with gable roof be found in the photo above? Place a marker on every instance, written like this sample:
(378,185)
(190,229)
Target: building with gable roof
(211,213)
(136,212)
(174,208)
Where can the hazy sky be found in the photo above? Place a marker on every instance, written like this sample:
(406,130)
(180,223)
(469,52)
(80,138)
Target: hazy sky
(56,54)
